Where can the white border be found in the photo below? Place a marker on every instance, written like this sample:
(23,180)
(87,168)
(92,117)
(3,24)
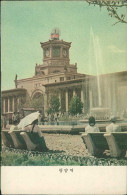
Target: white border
(49,180)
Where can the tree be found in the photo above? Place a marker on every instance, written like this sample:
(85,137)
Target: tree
(54,104)
(113,8)
(76,106)
(35,103)
(21,103)
(49,111)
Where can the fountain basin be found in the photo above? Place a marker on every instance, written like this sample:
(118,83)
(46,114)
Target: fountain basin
(100,113)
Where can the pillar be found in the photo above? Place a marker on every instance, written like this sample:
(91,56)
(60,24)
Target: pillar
(82,99)
(66,97)
(86,97)
(18,102)
(13,104)
(45,102)
(61,52)
(8,105)
(74,92)
(4,106)
(51,52)
(59,96)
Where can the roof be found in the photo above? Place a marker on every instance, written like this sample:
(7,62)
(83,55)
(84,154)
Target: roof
(67,81)
(14,92)
(55,42)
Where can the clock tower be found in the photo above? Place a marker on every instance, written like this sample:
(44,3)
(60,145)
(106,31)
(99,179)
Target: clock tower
(55,55)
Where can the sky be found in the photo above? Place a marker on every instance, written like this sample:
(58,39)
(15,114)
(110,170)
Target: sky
(24,24)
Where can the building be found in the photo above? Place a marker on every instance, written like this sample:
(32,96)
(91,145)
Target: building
(12,100)
(57,76)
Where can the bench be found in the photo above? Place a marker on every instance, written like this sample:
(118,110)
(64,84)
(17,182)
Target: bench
(24,140)
(95,143)
(7,139)
(117,142)
(34,141)
(18,141)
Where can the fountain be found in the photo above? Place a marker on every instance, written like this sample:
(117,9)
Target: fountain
(96,108)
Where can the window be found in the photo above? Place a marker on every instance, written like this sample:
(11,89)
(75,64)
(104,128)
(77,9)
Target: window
(46,52)
(65,52)
(42,72)
(56,51)
(56,71)
(61,78)
(68,78)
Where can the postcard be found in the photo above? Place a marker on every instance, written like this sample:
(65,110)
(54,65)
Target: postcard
(64,97)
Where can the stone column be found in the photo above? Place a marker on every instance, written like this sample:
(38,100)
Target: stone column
(74,92)
(61,49)
(51,52)
(87,101)
(13,104)
(4,106)
(82,99)
(8,105)
(66,97)
(45,102)
(59,96)
(18,102)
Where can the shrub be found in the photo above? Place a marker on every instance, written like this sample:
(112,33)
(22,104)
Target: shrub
(76,106)
(54,104)
(10,158)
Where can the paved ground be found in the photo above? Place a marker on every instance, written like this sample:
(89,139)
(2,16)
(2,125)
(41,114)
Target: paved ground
(67,144)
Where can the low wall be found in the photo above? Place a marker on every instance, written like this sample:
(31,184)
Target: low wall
(73,129)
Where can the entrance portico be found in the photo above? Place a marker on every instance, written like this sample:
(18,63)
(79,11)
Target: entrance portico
(66,91)
(11,100)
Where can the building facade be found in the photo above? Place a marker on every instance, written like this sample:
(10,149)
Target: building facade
(56,76)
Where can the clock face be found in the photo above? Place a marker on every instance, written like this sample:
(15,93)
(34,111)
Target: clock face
(56,52)
(47,52)
(64,52)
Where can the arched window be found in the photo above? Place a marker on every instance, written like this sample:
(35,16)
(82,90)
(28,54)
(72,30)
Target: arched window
(38,101)
(37,95)
(42,72)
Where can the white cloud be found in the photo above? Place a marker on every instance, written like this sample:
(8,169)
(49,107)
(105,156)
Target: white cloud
(115,49)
